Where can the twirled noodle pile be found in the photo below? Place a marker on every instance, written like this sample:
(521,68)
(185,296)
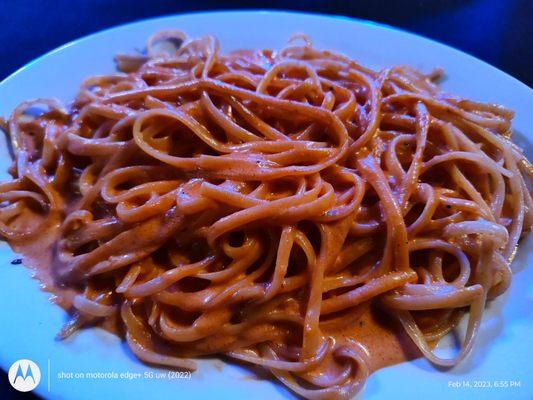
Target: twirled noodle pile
(251,204)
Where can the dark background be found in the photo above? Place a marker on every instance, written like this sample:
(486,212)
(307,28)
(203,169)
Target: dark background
(499,32)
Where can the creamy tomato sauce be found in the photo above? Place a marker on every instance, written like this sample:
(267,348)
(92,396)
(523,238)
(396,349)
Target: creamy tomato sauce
(381,335)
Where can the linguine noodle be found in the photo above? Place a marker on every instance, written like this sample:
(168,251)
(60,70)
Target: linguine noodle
(259,204)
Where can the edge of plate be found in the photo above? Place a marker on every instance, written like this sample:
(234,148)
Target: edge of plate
(377,25)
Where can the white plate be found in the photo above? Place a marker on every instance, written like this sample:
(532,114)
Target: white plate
(504,350)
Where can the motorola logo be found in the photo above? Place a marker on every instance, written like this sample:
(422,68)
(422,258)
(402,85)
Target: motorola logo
(24,375)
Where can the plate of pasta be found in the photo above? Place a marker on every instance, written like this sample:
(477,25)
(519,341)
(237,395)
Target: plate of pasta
(217,204)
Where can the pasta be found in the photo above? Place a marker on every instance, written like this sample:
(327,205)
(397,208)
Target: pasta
(270,207)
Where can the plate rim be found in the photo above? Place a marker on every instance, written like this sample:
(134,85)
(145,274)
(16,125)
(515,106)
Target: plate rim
(340,17)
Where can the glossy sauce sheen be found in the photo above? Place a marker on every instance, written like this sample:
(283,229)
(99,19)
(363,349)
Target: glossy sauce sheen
(37,255)
(385,341)
(289,209)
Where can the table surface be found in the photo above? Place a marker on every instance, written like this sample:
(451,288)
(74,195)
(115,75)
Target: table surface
(496,31)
